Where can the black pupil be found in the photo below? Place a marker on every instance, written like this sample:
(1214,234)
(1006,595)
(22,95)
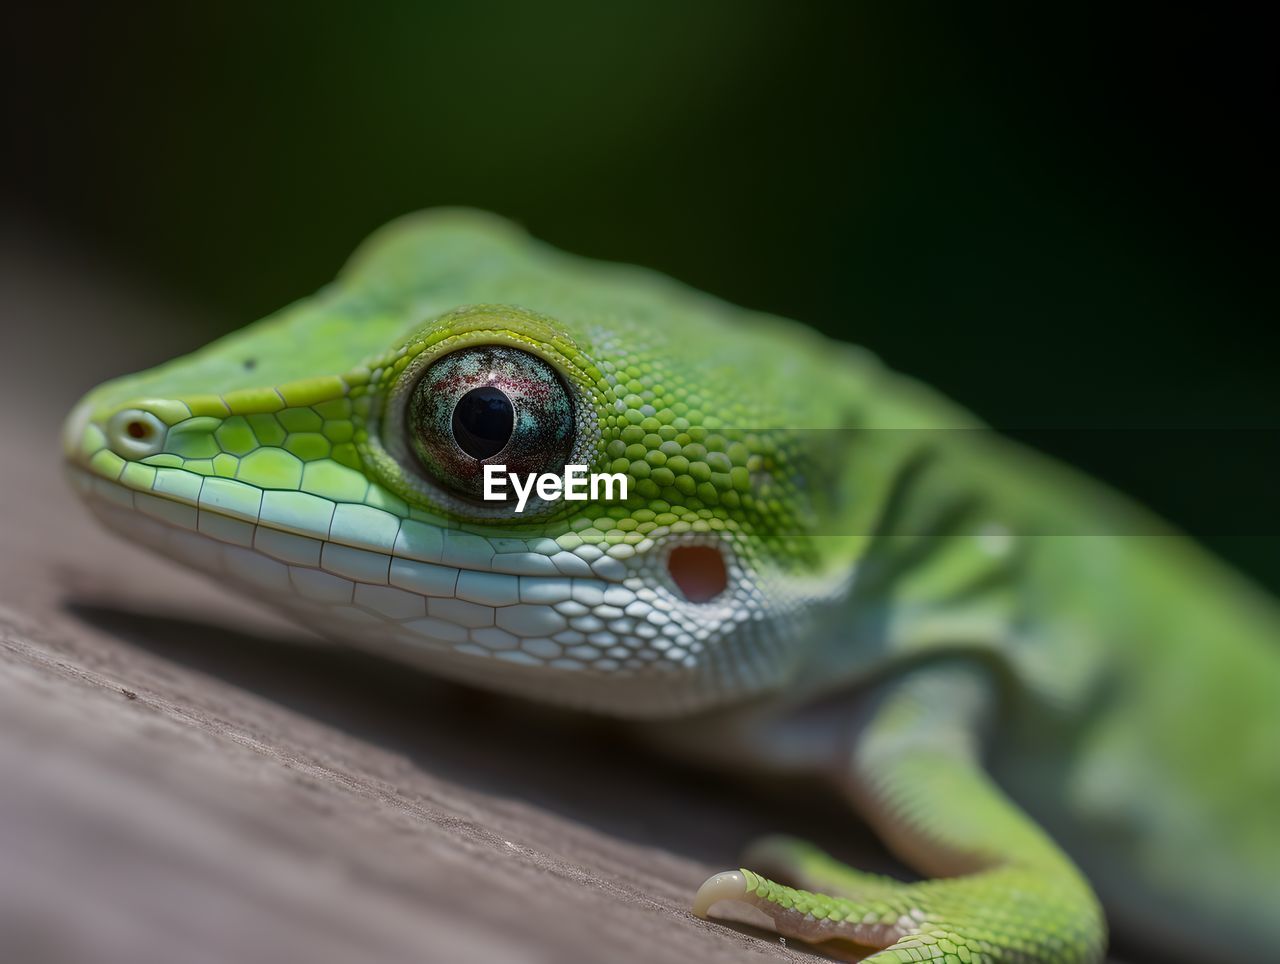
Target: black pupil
(482,422)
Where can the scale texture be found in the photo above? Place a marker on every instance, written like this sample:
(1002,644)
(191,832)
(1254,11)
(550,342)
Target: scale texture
(1034,682)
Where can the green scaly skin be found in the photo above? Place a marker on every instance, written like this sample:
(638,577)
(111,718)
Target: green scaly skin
(990,635)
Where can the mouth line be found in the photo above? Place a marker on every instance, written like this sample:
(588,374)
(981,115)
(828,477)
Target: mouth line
(572,622)
(362,549)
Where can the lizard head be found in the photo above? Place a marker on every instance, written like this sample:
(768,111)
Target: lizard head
(331,461)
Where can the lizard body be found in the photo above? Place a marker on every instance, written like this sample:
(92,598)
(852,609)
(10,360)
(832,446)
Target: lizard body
(1020,664)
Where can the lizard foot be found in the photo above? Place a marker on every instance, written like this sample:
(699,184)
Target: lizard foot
(747,897)
(801,864)
(1003,914)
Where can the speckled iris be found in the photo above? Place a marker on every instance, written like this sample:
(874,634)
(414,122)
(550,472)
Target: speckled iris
(489,404)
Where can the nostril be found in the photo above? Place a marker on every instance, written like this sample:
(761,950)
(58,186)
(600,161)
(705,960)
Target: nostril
(135,433)
(698,571)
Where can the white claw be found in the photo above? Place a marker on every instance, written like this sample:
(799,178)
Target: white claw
(728,885)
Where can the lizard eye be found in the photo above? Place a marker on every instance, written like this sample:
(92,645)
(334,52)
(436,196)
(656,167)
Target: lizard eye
(490,404)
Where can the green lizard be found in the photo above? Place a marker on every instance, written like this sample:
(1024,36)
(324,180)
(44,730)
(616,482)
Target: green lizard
(819,567)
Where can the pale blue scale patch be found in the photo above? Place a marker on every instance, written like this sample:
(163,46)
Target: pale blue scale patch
(596,632)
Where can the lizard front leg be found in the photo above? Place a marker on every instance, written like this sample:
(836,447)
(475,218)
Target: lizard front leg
(999,888)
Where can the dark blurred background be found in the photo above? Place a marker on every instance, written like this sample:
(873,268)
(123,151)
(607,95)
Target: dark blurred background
(1063,218)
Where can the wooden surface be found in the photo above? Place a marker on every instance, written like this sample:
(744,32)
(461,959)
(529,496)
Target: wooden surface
(186,779)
